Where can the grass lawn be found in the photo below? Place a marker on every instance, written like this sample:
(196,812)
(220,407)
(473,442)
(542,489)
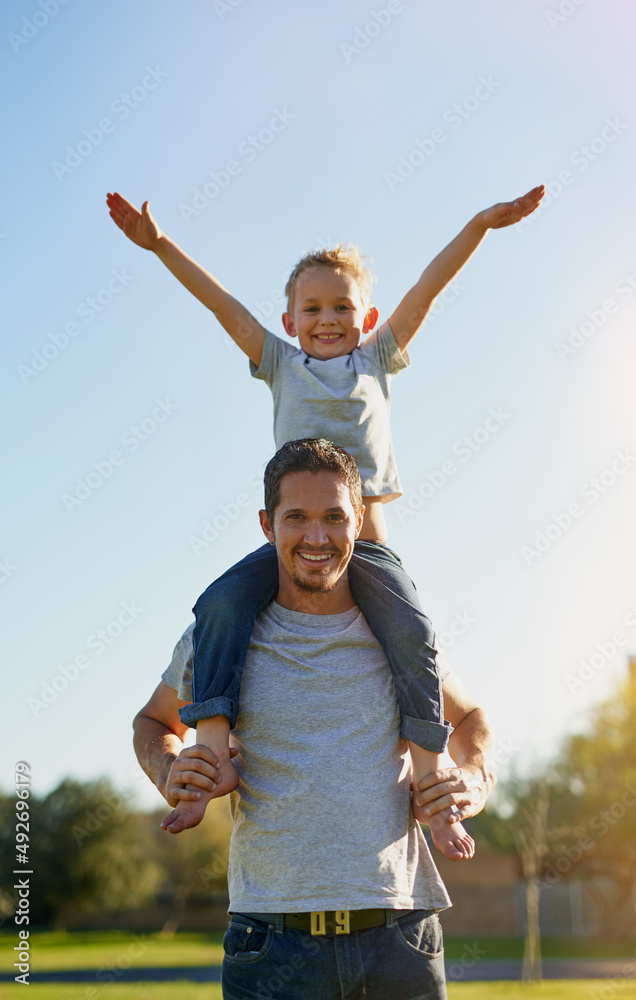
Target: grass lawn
(561,947)
(556,989)
(114,991)
(51,951)
(122,949)
(559,990)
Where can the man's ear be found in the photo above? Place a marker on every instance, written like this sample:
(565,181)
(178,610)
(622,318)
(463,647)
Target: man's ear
(290,326)
(360,520)
(266,526)
(370,319)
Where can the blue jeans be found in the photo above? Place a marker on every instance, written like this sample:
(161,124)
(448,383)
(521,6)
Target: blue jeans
(387,598)
(403,960)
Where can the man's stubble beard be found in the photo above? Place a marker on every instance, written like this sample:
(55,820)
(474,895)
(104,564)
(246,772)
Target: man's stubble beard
(320,587)
(311,588)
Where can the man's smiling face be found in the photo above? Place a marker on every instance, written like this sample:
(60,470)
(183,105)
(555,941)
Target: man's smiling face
(314,528)
(327,313)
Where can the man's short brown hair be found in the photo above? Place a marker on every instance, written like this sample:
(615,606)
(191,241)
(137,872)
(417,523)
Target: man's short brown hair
(310,455)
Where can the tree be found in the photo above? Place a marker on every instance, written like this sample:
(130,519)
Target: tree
(88,849)
(594,786)
(194,862)
(531,835)
(578,815)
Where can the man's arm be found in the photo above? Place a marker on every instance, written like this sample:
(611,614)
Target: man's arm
(414,307)
(158,741)
(471,745)
(141,228)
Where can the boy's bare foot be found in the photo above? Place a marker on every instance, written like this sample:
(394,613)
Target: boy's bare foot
(187,814)
(449,838)
(214,734)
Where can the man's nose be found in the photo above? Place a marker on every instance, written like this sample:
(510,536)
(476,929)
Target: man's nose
(316,533)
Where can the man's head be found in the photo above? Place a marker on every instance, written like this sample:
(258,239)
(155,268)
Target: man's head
(329,302)
(313,514)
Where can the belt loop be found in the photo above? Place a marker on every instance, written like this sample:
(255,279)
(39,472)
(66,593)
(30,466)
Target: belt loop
(279,922)
(391,916)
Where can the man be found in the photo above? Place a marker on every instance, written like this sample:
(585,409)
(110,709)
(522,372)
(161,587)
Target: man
(332,889)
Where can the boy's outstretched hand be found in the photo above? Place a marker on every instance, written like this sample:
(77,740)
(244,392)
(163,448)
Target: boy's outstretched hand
(140,227)
(507,213)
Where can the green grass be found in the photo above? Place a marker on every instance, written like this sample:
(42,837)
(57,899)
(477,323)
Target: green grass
(561,947)
(51,951)
(125,991)
(569,989)
(556,989)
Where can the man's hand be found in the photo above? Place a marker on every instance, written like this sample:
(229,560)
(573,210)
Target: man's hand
(140,227)
(462,787)
(195,766)
(507,213)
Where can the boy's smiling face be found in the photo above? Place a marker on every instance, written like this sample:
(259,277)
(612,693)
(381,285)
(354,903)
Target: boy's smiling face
(327,313)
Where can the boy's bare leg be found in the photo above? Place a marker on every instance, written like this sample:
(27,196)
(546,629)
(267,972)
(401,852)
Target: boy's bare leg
(214,734)
(449,838)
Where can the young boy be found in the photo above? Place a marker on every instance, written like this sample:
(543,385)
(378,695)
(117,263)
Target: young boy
(332,386)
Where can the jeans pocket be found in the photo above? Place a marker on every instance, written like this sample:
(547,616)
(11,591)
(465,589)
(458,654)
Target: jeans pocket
(420,933)
(247,939)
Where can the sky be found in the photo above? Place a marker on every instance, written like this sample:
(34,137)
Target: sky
(134,437)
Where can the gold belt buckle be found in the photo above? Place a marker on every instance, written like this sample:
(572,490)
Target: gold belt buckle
(318,922)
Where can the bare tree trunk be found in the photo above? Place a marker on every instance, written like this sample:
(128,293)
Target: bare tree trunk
(531,837)
(532,949)
(175,916)
(60,920)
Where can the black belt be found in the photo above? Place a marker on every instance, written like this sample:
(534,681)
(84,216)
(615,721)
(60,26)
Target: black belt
(329,922)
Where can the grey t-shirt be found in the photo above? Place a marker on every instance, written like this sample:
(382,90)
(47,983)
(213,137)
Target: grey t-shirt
(346,400)
(322,816)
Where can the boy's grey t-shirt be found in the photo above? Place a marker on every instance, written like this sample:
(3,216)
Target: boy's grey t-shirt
(322,815)
(346,400)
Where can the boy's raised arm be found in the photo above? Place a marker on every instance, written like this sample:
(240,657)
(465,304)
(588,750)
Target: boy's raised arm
(414,307)
(141,228)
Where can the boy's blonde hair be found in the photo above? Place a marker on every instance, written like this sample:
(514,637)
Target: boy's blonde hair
(343,257)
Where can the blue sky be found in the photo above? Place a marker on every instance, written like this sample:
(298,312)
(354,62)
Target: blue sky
(130,423)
